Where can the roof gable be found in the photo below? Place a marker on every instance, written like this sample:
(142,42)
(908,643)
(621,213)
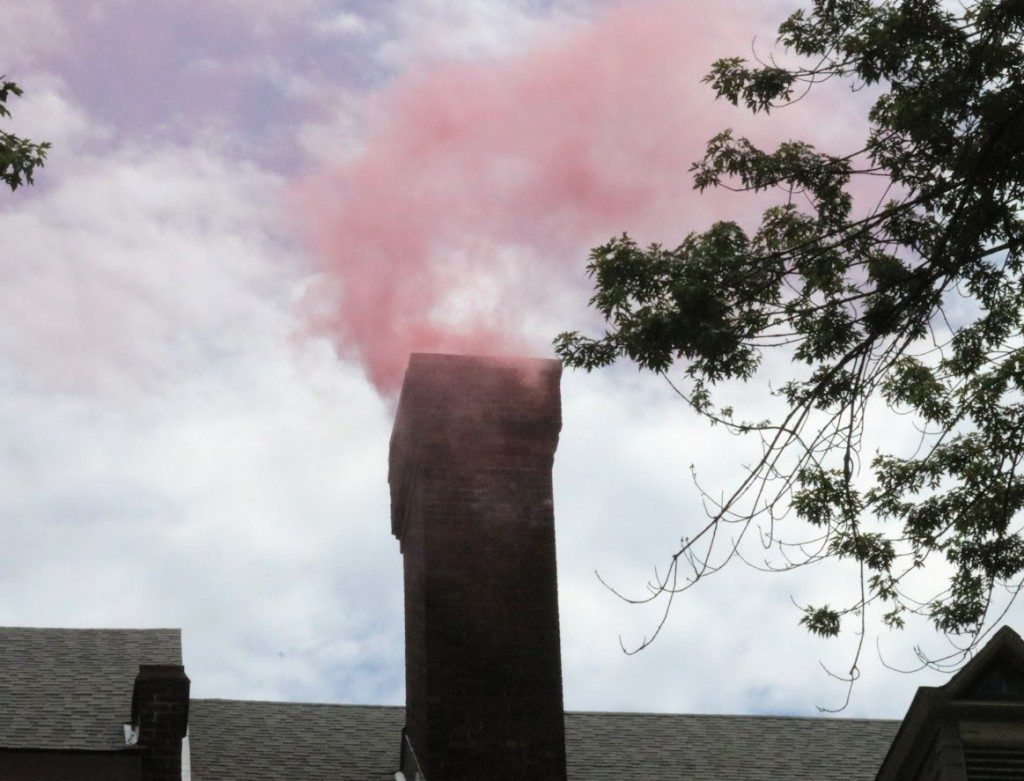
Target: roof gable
(988,690)
(996,673)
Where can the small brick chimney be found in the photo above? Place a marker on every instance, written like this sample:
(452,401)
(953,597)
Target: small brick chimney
(471,504)
(160,714)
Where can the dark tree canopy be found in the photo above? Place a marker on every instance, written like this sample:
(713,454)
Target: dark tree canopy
(19,157)
(916,301)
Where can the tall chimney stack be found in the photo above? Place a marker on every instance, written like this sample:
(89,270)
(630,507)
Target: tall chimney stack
(471,504)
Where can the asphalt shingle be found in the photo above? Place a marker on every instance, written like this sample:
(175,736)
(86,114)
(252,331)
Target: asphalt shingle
(281,741)
(72,688)
(688,747)
(259,741)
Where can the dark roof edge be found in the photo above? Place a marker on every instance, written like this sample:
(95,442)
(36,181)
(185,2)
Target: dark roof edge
(293,702)
(70,750)
(95,628)
(765,716)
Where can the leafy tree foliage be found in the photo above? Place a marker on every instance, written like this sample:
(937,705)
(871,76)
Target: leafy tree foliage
(19,157)
(916,301)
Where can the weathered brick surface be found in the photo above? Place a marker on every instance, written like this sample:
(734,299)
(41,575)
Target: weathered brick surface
(160,712)
(470,475)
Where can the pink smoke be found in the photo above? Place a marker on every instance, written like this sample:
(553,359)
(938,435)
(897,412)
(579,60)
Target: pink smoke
(469,167)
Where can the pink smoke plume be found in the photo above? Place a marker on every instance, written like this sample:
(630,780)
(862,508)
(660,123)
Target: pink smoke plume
(480,187)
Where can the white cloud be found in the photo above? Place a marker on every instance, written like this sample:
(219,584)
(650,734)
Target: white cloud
(171,454)
(137,263)
(342,24)
(46,112)
(432,30)
(335,138)
(623,499)
(30,28)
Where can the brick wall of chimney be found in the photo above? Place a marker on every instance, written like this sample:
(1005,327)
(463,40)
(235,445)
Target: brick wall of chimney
(471,459)
(160,713)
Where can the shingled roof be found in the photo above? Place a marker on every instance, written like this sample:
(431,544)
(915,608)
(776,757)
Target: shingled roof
(72,688)
(689,747)
(282,741)
(260,741)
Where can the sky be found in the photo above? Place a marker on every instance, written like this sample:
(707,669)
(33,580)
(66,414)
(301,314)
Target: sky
(252,212)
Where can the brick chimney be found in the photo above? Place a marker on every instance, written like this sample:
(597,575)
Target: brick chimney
(160,714)
(471,504)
